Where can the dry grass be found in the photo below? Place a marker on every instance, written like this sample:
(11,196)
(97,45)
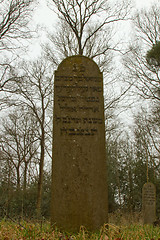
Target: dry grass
(42,231)
(123,218)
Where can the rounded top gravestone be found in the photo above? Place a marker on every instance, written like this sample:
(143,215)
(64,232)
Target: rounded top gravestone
(79,64)
(79,184)
(149,203)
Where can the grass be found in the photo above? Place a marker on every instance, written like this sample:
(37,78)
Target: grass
(37,231)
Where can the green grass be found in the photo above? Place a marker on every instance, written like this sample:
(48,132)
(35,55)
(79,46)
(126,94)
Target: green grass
(42,231)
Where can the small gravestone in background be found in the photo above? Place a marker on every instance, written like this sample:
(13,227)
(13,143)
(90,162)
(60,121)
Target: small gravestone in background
(79,184)
(149,203)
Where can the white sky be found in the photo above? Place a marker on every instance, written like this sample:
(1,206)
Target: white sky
(143,3)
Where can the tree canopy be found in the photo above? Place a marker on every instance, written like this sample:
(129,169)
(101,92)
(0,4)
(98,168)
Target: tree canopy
(153,55)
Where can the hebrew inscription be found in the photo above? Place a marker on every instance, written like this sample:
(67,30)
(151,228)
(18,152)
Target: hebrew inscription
(79,191)
(76,94)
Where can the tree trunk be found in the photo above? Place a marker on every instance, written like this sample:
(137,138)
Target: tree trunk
(18,178)
(25,177)
(80,51)
(130,201)
(9,191)
(40,181)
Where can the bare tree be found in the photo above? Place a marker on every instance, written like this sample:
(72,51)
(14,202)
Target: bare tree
(147,142)
(33,88)
(19,144)
(144,77)
(15,16)
(79,15)
(85,27)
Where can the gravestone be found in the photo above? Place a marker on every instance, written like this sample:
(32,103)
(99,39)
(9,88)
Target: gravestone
(149,203)
(79,184)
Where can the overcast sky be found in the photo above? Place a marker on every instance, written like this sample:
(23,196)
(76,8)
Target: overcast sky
(45,16)
(143,3)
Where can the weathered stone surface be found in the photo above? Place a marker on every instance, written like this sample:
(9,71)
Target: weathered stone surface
(79,188)
(149,203)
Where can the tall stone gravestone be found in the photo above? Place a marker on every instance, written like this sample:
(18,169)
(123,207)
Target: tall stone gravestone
(149,203)
(79,187)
